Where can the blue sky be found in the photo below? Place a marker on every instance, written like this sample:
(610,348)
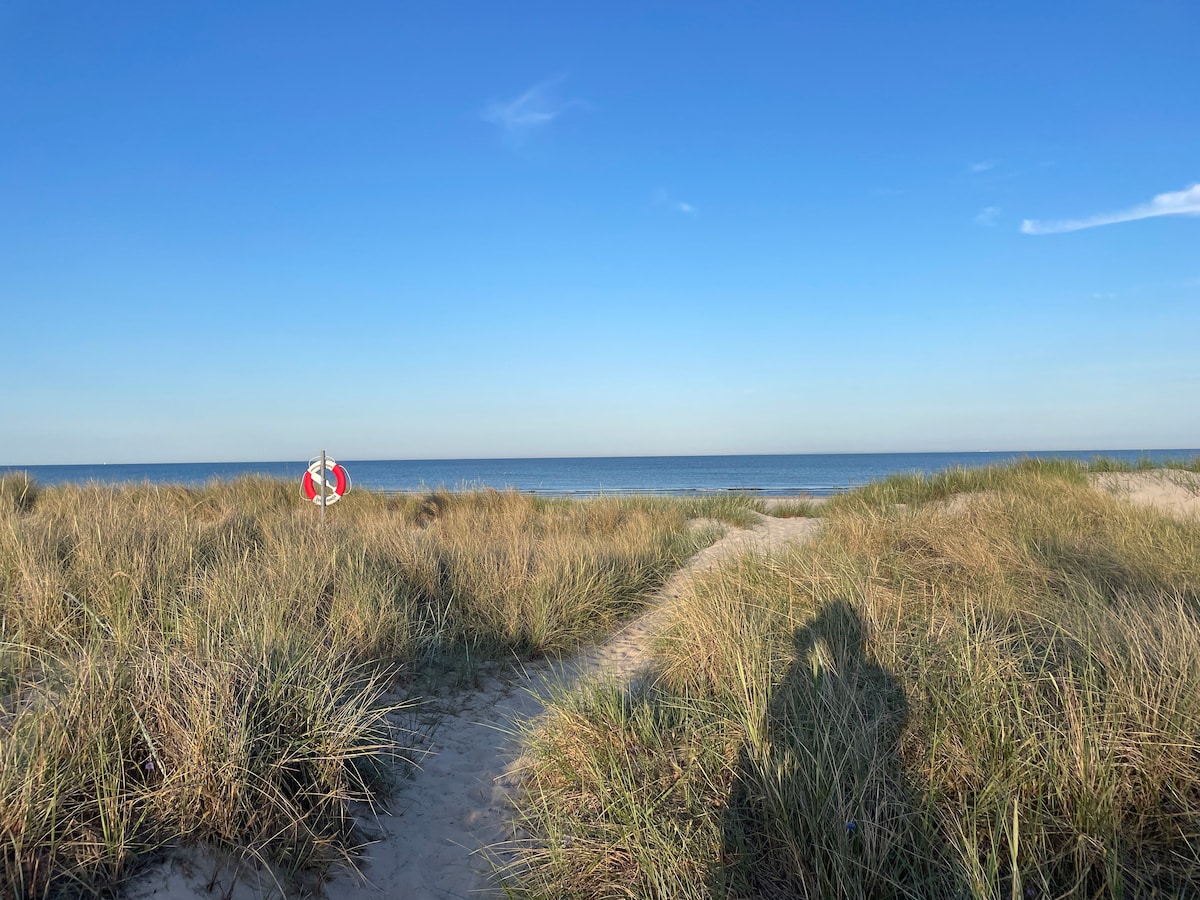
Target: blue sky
(250,230)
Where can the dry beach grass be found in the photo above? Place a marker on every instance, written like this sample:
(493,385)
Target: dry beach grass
(993,697)
(982,683)
(180,666)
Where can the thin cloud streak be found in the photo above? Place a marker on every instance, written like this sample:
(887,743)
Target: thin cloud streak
(661,197)
(988,215)
(984,166)
(535,108)
(1172,203)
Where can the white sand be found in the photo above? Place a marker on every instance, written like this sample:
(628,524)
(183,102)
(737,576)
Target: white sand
(1171,491)
(430,844)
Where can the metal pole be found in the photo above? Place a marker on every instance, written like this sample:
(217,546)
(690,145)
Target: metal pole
(322,487)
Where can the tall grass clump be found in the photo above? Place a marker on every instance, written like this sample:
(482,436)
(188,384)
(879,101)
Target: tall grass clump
(1142,464)
(802,508)
(916,487)
(18,491)
(207,664)
(993,697)
(737,509)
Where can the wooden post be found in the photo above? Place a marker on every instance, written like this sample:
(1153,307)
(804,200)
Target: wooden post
(323,486)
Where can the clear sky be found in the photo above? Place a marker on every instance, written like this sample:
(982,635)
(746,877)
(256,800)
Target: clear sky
(249,230)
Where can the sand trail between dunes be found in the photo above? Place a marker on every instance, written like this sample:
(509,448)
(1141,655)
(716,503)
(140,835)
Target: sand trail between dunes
(460,800)
(430,842)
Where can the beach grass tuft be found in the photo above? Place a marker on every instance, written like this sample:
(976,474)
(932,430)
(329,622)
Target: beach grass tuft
(801,508)
(18,491)
(211,665)
(986,685)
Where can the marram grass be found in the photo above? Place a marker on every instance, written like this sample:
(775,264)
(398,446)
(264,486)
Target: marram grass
(209,665)
(992,697)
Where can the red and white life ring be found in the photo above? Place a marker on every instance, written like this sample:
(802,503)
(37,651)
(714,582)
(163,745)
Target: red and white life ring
(315,476)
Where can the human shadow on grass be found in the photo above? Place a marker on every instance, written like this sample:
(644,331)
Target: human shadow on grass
(820,805)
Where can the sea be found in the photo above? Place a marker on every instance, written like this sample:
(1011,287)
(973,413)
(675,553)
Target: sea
(814,474)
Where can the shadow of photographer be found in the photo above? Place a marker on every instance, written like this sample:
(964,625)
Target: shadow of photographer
(821,805)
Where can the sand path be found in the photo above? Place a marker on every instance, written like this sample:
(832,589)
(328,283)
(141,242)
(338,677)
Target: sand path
(429,844)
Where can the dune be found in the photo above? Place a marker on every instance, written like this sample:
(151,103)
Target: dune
(1173,491)
(433,840)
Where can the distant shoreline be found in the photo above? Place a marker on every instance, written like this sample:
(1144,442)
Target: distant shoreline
(780,475)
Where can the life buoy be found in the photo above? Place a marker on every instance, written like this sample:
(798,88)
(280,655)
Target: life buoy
(341,482)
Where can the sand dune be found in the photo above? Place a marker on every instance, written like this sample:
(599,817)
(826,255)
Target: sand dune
(1170,490)
(431,842)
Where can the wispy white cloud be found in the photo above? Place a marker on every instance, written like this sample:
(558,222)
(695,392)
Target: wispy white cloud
(530,111)
(1172,203)
(660,197)
(981,166)
(988,215)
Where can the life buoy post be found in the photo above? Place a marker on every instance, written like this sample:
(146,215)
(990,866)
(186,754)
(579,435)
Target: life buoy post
(316,482)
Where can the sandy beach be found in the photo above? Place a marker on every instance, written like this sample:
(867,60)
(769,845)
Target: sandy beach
(1171,491)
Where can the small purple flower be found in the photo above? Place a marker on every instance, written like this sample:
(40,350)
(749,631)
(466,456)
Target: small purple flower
(851,827)
(1030,892)
(149,765)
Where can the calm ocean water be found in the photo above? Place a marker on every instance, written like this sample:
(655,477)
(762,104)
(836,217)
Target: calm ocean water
(816,474)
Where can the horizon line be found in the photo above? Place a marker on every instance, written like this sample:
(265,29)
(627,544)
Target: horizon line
(296,461)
